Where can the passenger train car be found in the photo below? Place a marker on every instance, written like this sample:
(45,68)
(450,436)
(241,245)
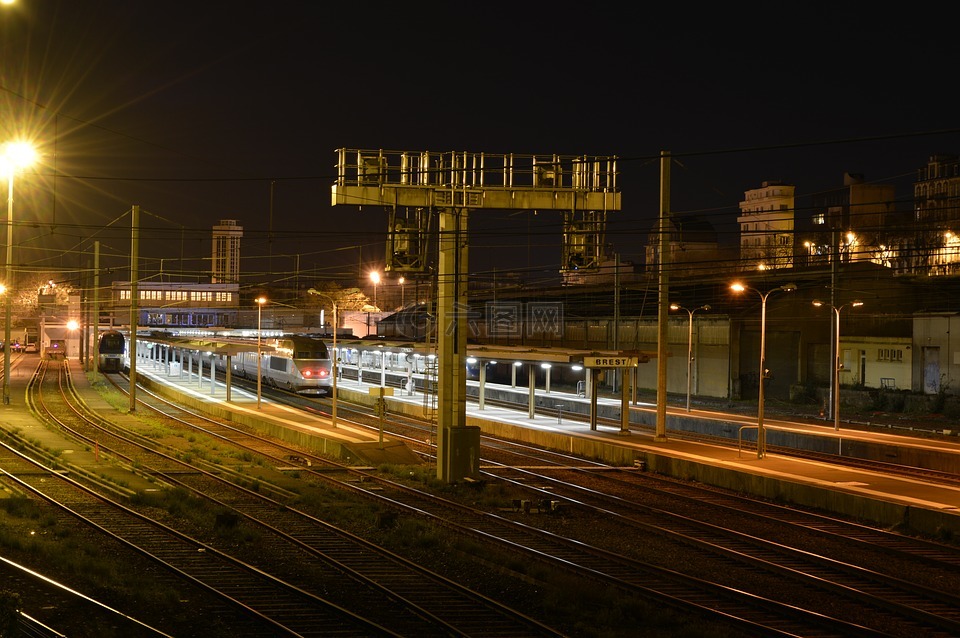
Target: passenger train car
(298,363)
(110,351)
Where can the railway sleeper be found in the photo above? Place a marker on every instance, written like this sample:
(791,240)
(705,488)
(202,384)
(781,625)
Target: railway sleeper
(542,506)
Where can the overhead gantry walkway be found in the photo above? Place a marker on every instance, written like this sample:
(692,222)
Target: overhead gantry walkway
(412,184)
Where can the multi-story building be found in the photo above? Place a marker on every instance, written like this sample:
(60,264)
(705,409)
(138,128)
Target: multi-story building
(767,227)
(934,246)
(692,247)
(226,251)
(177,304)
(857,223)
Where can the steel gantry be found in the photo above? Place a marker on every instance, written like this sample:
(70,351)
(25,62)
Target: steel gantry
(418,188)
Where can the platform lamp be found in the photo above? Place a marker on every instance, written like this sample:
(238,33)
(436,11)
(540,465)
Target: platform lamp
(260,301)
(16,155)
(375,278)
(690,312)
(837,364)
(738,288)
(336,355)
(72,326)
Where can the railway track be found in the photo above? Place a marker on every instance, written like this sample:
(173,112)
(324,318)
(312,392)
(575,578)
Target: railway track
(896,586)
(683,563)
(320,564)
(259,601)
(685,591)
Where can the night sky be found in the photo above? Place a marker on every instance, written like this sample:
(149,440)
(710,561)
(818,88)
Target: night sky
(202,111)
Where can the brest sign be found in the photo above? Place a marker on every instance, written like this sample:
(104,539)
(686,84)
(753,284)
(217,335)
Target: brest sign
(609,362)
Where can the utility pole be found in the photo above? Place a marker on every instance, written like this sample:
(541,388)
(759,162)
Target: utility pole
(663,315)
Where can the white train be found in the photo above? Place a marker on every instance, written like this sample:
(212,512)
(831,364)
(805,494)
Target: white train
(297,363)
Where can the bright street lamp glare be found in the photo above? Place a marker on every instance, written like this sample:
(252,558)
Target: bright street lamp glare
(18,155)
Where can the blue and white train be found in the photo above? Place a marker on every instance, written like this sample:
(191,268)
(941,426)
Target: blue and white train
(111,348)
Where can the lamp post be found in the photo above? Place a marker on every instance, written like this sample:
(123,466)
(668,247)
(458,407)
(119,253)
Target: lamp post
(16,155)
(738,288)
(6,351)
(336,355)
(72,326)
(690,312)
(837,363)
(402,281)
(260,301)
(375,278)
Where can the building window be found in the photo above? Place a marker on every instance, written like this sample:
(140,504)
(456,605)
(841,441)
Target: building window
(889,354)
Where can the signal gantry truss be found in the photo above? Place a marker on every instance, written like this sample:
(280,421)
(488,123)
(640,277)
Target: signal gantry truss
(412,184)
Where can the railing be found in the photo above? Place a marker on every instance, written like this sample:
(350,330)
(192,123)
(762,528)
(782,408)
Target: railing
(358,167)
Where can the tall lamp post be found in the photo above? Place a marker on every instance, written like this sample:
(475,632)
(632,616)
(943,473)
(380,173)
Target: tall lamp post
(690,312)
(837,363)
(336,355)
(402,281)
(260,301)
(375,278)
(15,155)
(738,288)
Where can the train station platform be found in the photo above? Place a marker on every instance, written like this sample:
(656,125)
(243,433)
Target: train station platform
(344,441)
(873,497)
(887,500)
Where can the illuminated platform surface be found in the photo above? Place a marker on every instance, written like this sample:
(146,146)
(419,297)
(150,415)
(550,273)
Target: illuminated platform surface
(867,495)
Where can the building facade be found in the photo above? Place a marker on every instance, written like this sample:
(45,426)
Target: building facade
(934,248)
(177,304)
(226,251)
(767,227)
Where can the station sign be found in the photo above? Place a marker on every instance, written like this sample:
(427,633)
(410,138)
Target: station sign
(609,362)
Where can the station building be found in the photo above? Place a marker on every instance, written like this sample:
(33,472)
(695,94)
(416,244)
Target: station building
(176,304)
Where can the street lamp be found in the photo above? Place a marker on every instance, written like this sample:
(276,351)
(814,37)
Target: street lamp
(402,281)
(738,288)
(336,355)
(260,301)
(72,326)
(15,155)
(375,278)
(690,312)
(837,363)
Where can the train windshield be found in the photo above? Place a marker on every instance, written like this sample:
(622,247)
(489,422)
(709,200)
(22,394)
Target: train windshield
(320,353)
